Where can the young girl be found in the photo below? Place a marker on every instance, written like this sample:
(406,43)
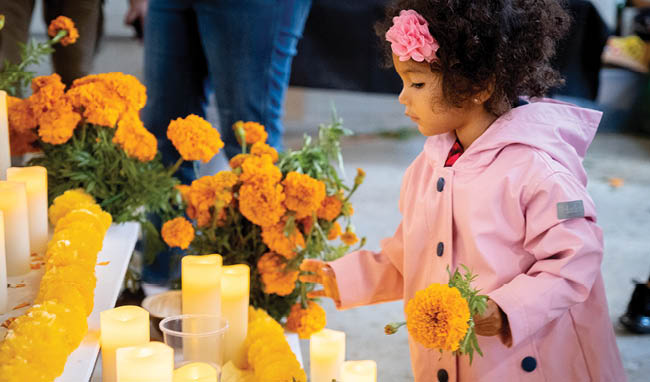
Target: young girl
(499,187)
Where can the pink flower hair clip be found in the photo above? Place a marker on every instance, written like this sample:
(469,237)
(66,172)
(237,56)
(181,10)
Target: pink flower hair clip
(410,38)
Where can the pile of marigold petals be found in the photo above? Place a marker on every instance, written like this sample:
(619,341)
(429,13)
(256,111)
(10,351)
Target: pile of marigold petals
(39,342)
(267,351)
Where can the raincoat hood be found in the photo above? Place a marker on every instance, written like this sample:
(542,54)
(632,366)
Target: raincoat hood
(563,131)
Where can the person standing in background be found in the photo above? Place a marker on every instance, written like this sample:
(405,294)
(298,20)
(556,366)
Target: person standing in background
(70,62)
(240,50)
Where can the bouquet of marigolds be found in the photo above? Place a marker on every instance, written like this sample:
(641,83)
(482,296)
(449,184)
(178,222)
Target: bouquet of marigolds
(271,211)
(441,316)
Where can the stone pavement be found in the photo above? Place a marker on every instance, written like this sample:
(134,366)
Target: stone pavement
(624,212)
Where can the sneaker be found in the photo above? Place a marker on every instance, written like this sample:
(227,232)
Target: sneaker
(627,52)
(637,317)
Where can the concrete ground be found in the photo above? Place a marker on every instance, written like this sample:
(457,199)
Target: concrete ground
(624,212)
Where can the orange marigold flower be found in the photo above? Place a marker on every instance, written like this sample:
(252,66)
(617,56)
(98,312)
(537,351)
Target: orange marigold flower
(178,232)
(57,125)
(261,148)
(135,139)
(330,209)
(253,132)
(205,192)
(125,87)
(260,170)
(305,322)
(274,238)
(238,160)
(63,23)
(349,237)
(334,232)
(437,317)
(304,193)
(361,175)
(275,277)
(20,115)
(194,138)
(22,142)
(184,190)
(47,94)
(262,204)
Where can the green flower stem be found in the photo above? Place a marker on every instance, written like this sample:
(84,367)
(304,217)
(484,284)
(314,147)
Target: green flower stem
(175,167)
(59,35)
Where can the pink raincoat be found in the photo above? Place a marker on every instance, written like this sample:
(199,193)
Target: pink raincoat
(514,209)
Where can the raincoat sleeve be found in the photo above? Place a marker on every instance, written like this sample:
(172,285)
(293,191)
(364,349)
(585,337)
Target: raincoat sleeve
(365,277)
(561,233)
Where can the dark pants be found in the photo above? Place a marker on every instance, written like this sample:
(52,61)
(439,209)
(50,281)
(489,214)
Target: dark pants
(70,62)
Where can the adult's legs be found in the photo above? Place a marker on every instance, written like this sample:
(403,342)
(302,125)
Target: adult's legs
(174,69)
(249,46)
(76,60)
(18,15)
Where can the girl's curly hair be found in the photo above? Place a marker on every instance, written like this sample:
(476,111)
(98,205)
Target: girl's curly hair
(500,45)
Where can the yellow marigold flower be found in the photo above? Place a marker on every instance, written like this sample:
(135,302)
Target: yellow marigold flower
(47,93)
(178,232)
(260,170)
(57,125)
(330,209)
(334,232)
(275,277)
(91,216)
(77,276)
(261,148)
(304,193)
(63,23)
(262,204)
(274,238)
(349,237)
(135,139)
(68,201)
(194,138)
(86,241)
(305,322)
(61,292)
(238,160)
(437,317)
(253,132)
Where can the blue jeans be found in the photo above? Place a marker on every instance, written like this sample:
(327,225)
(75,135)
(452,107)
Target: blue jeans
(240,49)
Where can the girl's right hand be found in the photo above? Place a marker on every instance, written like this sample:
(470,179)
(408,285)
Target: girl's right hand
(320,273)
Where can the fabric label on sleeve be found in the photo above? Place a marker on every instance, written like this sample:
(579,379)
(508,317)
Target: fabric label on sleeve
(570,210)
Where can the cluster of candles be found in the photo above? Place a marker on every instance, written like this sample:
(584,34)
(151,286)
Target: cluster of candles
(327,360)
(23,222)
(208,289)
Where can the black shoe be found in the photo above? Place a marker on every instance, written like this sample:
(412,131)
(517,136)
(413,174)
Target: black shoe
(637,317)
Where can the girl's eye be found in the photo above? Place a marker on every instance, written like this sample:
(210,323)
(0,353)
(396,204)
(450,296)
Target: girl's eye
(418,85)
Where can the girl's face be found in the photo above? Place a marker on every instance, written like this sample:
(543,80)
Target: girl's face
(422,96)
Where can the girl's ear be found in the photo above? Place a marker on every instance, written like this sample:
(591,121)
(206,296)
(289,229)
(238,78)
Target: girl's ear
(482,96)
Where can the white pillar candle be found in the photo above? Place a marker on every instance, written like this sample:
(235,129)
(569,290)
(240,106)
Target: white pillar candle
(200,294)
(35,179)
(196,372)
(3,268)
(235,286)
(151,362)
(359,371)
(5,153)
(121,327)
(326,355)
(13,203)
(201,284)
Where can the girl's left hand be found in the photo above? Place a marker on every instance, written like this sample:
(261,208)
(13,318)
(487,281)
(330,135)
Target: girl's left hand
(493,322)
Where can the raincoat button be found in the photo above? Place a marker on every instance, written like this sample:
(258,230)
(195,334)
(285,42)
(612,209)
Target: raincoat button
(440,249)
(443,376)
(441,184)
(529,364)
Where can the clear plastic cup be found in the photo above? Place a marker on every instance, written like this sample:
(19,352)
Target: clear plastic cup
(197,339)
